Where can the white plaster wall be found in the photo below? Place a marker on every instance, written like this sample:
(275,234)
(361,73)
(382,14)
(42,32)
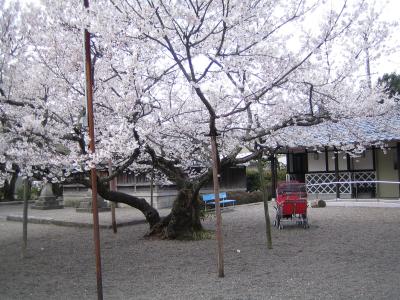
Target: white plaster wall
(342,161)
(363,163)
(316,164)
(387,172)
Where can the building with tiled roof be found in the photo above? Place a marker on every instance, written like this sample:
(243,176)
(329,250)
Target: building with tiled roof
(361,152)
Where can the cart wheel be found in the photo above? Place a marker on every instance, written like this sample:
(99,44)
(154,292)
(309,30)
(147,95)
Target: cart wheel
(306,226)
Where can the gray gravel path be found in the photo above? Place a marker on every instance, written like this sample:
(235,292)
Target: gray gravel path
(69,217)
(349,252)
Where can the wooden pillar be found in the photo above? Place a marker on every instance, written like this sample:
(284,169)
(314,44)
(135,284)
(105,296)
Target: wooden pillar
(305,162)
(337,174)
(348,161)
(326,160)
(375,192)
(348,167)
(373,150)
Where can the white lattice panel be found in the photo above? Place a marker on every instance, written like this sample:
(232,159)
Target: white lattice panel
(318,183)
(365,176)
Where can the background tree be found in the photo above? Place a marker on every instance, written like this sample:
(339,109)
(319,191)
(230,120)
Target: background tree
(390,83)
(12,46)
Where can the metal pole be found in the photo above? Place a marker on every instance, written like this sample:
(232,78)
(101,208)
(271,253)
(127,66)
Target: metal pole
(220,246)
(113,187)
(93,174)
(25,220)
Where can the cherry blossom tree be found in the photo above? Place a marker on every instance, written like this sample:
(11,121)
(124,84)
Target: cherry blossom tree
(167,75)
(11,45)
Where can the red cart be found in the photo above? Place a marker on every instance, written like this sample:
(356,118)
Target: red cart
(291,204)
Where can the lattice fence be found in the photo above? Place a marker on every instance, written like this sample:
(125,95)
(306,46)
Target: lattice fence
(364,176)
(318,183)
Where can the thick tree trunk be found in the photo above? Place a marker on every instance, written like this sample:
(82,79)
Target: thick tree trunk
(184,218)
(181,223)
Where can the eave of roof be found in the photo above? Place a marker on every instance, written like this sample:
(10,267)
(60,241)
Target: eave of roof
(351,131)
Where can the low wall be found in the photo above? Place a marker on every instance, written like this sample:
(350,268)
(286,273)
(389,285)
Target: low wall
(327,196)
(73,194)
(163,196)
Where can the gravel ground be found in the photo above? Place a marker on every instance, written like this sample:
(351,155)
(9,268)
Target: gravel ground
(349,252)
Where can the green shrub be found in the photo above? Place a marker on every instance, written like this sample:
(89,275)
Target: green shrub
(203,235)
(206,213)
(20,193)
(248,197)
(252,181)
(253,178)
(35,192)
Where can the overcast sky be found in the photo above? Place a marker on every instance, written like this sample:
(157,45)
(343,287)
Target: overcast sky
(386,64)
(392,63)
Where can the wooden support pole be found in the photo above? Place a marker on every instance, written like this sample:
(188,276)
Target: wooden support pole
(288,166)
(25,218)
(93,173)
(96,233)
(113,187)
(152,188)
(220,247)
(398,163)
(273,175)
(348,162)
(263,186)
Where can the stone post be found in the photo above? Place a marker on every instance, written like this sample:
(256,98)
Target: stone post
(86,204)
(47,200)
